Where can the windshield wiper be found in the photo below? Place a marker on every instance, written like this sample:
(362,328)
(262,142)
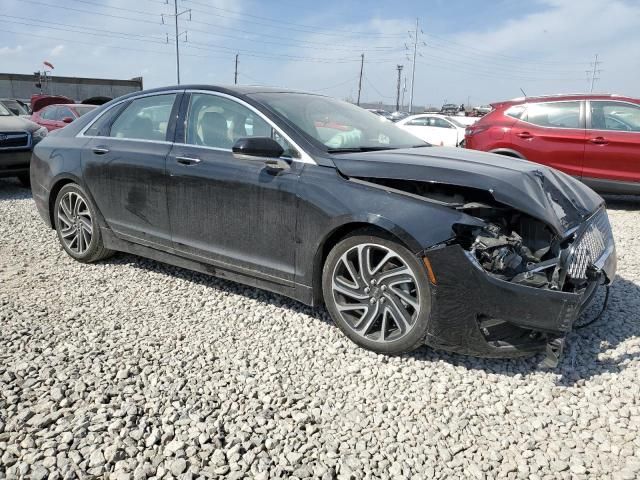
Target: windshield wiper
(359,149)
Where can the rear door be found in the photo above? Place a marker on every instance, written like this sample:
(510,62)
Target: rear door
(124,166)
(553,134)
(613,142)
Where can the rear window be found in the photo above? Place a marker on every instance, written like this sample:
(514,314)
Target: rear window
(516,111)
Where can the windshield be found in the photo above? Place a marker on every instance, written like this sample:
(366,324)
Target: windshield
(337,125)
(15,107)
(4,112)
(82,109)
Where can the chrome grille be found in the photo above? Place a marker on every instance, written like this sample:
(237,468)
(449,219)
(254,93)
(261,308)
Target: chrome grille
(591,245)
(14,140)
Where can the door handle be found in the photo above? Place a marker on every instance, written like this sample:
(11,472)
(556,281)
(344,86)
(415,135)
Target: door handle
(100,150)
(188,160)
(524,135)
(599,141)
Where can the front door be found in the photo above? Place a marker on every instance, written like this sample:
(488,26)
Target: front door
(613,142)
(552,133)
(231,212)
(125,169)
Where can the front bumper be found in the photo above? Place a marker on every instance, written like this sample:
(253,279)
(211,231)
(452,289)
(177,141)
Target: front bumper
(14,162)
(477,314)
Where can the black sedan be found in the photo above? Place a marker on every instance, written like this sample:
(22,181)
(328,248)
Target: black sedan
(324,202)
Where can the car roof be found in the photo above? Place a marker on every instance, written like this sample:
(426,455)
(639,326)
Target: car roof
(565,96)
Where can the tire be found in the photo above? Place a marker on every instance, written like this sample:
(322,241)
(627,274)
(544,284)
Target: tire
(365,303)
(75,217)
(25,180)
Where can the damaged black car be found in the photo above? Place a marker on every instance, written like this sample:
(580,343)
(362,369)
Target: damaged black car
(319,200)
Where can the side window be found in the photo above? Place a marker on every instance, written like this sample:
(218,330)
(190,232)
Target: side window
(100,128)
(441,123)
(516,111)
(554,114)
(218,122)
(616,116)
(419,122)
(64,112)
(145,118)
(49,113)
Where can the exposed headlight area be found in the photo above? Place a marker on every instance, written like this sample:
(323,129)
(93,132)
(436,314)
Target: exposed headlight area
(522,250)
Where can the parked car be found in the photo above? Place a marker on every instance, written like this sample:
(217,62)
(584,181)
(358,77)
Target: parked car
(398,115)
(382,113)
(449,109)
(465,120)
(435,129)
(17,138)
(405,244)
(56,112)
(481,111)
(595,138)
(15,106)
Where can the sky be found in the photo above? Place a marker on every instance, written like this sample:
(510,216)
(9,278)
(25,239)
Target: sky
(468,51)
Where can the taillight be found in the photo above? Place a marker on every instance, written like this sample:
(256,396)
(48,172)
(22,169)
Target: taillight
(475,129)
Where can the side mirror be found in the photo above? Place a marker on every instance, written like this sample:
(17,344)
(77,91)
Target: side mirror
(67,119)
(264,147)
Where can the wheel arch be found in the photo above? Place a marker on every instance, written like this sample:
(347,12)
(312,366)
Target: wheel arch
(508,152)
(57,184)
(374,225)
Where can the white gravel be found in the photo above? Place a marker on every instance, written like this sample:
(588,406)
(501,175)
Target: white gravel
(133,369)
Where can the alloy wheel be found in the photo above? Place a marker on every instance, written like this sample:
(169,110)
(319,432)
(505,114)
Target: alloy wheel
(75,224)
(375,292)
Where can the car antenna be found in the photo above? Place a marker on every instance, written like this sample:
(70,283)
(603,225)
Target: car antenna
(525,95)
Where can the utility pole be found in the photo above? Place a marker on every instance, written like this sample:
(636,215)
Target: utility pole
(175,17)
(595,72)
(399,67)
(360,81)
(235,77)
(413,69)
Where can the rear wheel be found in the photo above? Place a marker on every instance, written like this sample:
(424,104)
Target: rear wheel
(77,225)
(378,293)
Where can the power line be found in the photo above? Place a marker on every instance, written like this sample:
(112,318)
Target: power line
(495,54)
(375,89)
(279,23)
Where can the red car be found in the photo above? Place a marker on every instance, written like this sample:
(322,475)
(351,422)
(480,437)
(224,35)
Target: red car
(55,112)
(595,138)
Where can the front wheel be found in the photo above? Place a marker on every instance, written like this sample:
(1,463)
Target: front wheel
(378,293)
(76,223)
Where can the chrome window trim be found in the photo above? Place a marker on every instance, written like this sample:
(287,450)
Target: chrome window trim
(304,156)
(583,114)
(588,115)
(81,133)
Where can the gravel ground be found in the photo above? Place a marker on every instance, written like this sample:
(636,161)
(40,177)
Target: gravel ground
(133,369)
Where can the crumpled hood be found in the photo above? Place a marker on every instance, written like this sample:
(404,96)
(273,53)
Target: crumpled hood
(551,196)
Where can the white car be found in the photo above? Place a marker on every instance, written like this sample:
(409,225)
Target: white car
(435,129)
